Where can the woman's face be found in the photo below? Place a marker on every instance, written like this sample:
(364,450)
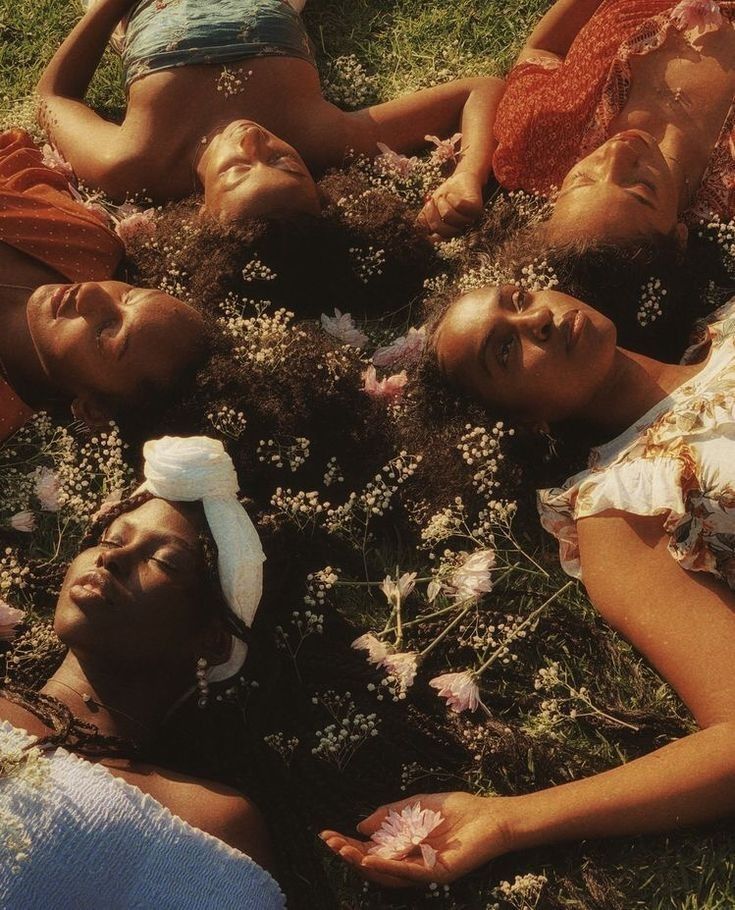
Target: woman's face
(138,597)
(248,172)
(104,341)
(621,191)
(540,356)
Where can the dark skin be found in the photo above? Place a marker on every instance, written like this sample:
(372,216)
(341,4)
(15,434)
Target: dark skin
(136,616)
(91,345)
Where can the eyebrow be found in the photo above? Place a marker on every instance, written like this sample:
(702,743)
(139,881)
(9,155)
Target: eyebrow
(125,524)
(636,196)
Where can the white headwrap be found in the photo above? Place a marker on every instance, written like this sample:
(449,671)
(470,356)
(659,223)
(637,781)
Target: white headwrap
(193,468)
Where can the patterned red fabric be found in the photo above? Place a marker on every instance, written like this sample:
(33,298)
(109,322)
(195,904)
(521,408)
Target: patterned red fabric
(553,114)
(13,411)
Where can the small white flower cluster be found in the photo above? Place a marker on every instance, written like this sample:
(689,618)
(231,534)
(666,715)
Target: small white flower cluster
(410,179)
(264,337)
(722,233)
(303,508)
(232,82)
(651,299)
(284,746)
(333,473)
(23,113)
(451,249)
(367,262)
(339,741)
(444,524)
(276,453)
(523,893)
(318,584)
(531,207)
(228,421)
(301,626)
(482,635)
(38,646)
(489,273)
(438,284)
(538,276)
(347,83)
(481,449)
(255,270)
(12,574)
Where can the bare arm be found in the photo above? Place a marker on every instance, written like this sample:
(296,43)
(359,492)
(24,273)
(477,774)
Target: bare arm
(684,624)
(93,146)
(554,34)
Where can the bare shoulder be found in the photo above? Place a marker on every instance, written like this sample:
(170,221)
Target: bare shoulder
(212,807)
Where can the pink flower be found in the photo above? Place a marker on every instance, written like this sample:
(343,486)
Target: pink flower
(47,489)
(394,162)
(54,161)
(473,577)
(402,667)
(342,326)
(446,149)
(406,349)
(700,16)
(9,619)
(397,591)
(388,389)
(377,650)
(459,689)
(137,226)
(401,833)
(23,521)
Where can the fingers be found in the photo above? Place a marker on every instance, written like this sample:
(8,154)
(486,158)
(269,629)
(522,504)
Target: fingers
(446,215)
(353,853)
(370,825)
(405,870)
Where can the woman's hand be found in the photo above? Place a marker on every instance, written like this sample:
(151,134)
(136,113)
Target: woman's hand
(453,206)
(475,829)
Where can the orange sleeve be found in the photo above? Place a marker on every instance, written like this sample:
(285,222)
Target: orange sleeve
(39,217)
(13,411)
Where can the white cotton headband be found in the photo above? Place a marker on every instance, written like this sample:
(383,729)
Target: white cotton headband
(197,468)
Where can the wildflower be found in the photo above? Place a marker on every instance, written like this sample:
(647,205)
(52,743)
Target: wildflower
(47,489)
(459,689)
(473,577)
(397,591)
(53,159)
(377,650)
(139,225)
(406,349)
(23,521)
(433,589)
(402,832)
(342,326)
(700,16)
(402,667)
(399,164)
(9,619)
(388,389)
(446,149)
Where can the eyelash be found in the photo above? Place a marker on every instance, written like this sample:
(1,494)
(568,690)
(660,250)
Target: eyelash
(108,543)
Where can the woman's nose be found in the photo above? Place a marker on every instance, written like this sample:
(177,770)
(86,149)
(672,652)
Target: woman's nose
(252,140)
(93,300)
(113,559)
(538,322)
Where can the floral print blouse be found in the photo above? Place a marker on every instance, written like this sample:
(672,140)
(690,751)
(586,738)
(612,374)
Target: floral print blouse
(553,114)
(677,461)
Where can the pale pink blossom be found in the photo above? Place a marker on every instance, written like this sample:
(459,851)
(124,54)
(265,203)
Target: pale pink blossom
(433,589)
(136,226)
(388,389)
(47,489)
(23,521)
(54,160)
(376,649)
(402,667)
(699,16)
(9,619)
(403,833)
(446,149)
(405,350)
(459,689)
(398,164)
(396,591)
(473,577)
(342,326)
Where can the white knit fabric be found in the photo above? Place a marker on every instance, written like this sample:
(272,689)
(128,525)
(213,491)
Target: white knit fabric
(197,468)
(74,837)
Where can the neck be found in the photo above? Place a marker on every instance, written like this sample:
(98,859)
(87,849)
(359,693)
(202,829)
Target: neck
(686,162)
(634,385)
(120,702)
(18,353)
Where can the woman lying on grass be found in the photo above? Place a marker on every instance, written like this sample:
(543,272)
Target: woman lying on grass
(146,611)
(257,129)
(70,336)
(648,527)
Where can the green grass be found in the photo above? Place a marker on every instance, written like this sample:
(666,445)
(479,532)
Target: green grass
(405,44)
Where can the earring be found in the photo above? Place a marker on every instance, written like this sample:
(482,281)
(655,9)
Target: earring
(202,684)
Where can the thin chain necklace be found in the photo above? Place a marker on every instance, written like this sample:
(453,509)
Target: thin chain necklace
(96,703)
(11,287)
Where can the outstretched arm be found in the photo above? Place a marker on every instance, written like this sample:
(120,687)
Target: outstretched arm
(554,34)
(467,106)
(684,624)
(93,146)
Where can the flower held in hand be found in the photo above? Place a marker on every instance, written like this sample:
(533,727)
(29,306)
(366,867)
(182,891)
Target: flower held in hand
(402,833)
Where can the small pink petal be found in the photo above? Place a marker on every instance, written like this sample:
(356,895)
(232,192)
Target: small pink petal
(428,854)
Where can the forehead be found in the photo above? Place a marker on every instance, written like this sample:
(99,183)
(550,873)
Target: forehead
(463,330)
(164,519)
(164,334)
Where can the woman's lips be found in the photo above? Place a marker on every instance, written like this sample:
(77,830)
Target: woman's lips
(572,326)
(94,586)
(62,297)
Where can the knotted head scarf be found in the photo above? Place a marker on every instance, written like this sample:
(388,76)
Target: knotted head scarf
(197,469)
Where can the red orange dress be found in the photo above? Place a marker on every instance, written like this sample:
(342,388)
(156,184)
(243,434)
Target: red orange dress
(39,217)
(554,114)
